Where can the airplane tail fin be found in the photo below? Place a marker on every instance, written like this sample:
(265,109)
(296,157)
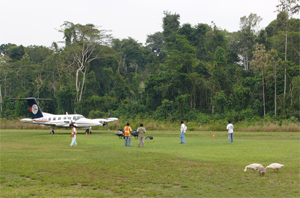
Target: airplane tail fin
(34,108)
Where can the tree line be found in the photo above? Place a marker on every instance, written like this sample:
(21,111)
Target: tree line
(192,72)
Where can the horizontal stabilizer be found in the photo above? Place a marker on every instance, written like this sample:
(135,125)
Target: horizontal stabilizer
(29,120)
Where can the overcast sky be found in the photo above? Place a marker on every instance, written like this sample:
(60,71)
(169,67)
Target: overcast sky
(36,22)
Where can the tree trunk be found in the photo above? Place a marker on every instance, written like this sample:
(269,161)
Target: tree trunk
(275,91)
(77,86)
(83,81)
(285,58)
(5,86)
(291,91)
(0,99)
(264,102)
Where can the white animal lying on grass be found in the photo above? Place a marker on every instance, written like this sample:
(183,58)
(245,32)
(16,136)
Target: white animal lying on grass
(254,167)
(275,166)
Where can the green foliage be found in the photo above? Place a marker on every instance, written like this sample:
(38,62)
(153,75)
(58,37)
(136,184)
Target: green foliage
(65,98)
(96,114)
(164,111)
(170,26)
(186,72)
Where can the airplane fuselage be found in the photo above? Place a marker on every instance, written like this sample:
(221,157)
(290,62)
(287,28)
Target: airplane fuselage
(64,121)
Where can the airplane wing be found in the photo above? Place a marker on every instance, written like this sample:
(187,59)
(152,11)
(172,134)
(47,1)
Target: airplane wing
(86,123)
(46,124)
(106,120)
(112,119)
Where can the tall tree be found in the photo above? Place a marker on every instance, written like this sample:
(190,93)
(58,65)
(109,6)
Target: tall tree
(247,35)
(130,53)
(155,42)
(260,62)
(171,26)
(289,7)
(274,61)
(82,50)
(218,78)
(201,41)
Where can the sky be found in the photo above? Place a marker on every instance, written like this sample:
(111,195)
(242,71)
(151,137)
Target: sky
(37,22)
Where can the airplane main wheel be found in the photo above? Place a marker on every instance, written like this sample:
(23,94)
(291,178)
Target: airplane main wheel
(51,132)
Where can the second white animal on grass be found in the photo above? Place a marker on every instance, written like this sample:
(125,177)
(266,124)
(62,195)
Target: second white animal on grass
(275,166)
(262,170)
(254,167)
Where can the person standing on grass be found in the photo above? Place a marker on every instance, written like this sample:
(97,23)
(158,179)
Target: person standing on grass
(127,133)
(141,130)
(183,129)
(230,131)
(73,135)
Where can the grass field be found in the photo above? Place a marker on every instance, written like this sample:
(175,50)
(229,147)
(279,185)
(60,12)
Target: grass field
(37,164)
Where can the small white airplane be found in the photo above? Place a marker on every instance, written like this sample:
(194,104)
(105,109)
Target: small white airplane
(60,121)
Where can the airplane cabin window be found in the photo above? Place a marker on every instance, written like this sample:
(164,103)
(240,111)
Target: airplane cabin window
(59,118)
(49,119)
(54,118)
(74,118)
(65,118)
(69,118)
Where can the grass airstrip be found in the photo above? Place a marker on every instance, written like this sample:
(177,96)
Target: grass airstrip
(37,164)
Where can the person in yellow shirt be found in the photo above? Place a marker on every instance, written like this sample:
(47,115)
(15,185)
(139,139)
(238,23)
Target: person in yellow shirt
(127,133)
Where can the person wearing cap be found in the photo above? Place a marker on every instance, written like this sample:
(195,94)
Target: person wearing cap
(73,135)
(230,131)
(127,133)
(141,130)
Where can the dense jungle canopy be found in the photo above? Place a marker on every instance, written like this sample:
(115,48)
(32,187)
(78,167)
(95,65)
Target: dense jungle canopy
(192,72)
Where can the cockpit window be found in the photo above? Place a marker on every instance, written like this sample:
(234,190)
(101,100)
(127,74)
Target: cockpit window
(77,117)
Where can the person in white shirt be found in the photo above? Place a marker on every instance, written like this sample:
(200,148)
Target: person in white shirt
(183,129)
(73,135)
(230,131)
